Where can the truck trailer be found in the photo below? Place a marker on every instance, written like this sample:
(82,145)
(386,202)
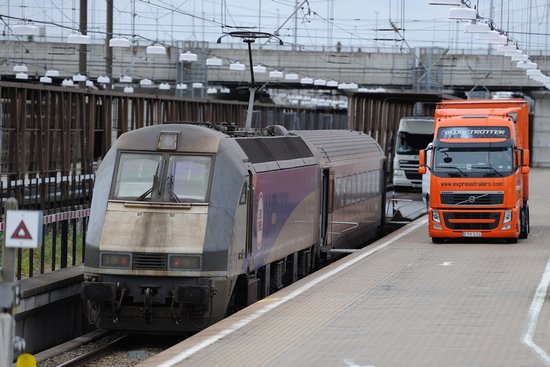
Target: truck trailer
(479,166)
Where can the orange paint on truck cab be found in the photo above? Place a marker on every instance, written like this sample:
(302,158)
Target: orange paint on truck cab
(479,170)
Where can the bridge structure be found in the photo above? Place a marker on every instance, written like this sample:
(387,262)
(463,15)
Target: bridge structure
(383,76)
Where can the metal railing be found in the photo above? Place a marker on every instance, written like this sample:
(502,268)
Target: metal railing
(65,202)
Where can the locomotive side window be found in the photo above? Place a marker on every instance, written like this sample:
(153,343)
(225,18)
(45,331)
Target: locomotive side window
(188,177)
(137,176)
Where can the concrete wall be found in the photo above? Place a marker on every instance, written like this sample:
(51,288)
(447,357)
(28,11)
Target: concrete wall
(50,311)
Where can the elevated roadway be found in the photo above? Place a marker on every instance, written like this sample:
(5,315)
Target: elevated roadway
(401,301)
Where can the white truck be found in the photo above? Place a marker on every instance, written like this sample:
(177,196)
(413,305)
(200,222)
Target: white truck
(414,133)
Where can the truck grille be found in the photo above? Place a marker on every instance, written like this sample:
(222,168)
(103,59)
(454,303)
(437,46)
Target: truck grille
(477,198)
(462,221)
(411,169)
(149,261)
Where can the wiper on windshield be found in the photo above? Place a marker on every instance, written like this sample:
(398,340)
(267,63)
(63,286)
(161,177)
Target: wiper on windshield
(170,184)
(455,167)
(490,168)
(150,190)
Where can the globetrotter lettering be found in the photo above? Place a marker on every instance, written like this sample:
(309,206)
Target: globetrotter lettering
(473,132)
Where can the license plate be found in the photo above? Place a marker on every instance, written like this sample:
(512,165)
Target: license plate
(471,234)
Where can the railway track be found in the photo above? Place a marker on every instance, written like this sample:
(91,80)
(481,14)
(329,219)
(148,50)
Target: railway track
(95,353)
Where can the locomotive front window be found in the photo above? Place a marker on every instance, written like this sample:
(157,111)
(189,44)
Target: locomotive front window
(137,176)
(188,178)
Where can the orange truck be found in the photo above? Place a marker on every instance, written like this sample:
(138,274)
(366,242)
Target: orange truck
(479,165)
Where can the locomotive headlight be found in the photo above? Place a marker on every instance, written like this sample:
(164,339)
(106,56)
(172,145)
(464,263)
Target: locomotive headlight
(507,216)
(115,260)
(184,262)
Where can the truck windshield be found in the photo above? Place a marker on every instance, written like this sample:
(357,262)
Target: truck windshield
(162,177)
(409,143)
(473,162)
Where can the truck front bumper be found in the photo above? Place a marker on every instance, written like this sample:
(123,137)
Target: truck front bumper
(474,223)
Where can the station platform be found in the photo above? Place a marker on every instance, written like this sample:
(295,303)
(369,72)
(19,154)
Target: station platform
(401,301)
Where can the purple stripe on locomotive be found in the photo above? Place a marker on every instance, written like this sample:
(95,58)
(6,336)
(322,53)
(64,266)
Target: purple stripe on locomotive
(277,196)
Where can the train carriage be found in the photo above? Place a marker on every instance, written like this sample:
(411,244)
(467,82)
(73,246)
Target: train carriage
(190,223)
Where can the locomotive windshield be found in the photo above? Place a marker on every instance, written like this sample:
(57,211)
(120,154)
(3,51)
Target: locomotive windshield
(162,177)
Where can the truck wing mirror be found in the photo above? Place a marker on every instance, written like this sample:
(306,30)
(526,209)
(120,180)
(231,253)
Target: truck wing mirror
(422,162)
(525,170)
(526,158)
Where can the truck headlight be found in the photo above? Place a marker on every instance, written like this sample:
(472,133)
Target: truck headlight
(507,216)
(435,216)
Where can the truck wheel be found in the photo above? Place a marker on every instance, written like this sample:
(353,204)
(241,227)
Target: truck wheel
(526,206)
(523,223)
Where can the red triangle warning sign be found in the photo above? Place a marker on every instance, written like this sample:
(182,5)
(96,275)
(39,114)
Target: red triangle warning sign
(21,232)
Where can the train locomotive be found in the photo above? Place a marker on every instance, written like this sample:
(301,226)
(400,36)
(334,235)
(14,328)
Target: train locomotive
(192,222)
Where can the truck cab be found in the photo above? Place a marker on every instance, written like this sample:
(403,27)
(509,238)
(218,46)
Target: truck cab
(413,134)
(478,167)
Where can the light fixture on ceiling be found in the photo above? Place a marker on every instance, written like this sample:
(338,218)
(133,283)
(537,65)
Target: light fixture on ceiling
(306,81)
(125,79)
(197,85)
(181,86)
(259,69)
(526,65)
(237,66)
(128,89)
(214,61)
(276,74)
(25,29)
(52,73)
(67,83)
(78,38)
(225,90)
(21,68)
(46,80)
(145,82)
(476,27)
(89,83)
(332,83)
(291,76)
(188,57)
(507,48)
(79,78)
(320,82)
(22,76)
(119,42)
(103,79)
(462,13)
(211,91)
(164,86)
(446,2)
(156,50)
(520,57)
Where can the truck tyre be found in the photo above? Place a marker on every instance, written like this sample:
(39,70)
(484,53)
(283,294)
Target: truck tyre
(523,223)
(526,206)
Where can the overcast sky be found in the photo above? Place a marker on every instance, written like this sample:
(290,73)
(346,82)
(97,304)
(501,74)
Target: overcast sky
(318,23)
